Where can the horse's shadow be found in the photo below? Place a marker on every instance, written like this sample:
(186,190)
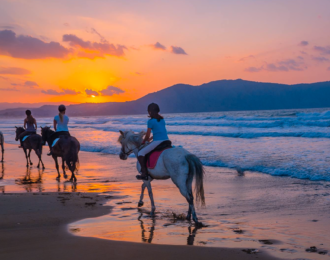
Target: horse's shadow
(192,230)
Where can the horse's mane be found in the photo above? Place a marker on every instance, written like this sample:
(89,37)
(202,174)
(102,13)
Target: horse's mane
(132,138)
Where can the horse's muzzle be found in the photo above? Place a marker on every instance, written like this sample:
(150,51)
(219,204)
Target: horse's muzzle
(122,156)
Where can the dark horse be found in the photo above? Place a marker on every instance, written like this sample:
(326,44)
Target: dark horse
(67,147)
(33,142)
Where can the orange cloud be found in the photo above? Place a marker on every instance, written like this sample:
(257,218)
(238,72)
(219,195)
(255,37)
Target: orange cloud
(14,71)
(27,47)
(94,49)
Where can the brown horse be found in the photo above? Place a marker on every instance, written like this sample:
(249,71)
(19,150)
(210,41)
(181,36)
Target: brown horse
(2,141)
(33,142)
(67,147)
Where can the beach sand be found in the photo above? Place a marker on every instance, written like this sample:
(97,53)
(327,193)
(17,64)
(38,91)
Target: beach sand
(34,226)
(278,216)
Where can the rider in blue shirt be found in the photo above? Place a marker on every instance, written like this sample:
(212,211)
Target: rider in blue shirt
(156,125)
(60,125)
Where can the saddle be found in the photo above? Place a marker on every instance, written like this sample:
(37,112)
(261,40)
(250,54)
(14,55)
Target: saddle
(152,157)
(27,136)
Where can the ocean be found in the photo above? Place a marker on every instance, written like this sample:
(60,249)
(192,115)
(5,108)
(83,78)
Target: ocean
(293,143)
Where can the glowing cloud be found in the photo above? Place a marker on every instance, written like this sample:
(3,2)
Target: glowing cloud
(60,93)
(323,50)
(111,90)
(29,84)
(158,46)
(303,43)
(94,49)
(26,47)
(14,71)
(91,92)
(178,50)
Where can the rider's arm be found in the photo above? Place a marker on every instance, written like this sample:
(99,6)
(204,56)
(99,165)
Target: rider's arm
(35,123)
(147,136)
(55,125)
(24,123)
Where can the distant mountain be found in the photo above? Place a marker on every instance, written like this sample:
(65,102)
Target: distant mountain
(6,105)
(222,95)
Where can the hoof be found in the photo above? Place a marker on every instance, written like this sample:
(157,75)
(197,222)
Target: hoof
(58,178)
(31,163)
(140,204)
(43,167)
(199,224)
(38,166)
(65,176)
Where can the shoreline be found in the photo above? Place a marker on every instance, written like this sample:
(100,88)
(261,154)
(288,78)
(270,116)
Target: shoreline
(243,211)
(34,226)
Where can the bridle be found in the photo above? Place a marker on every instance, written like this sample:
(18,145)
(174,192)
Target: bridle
(131,150)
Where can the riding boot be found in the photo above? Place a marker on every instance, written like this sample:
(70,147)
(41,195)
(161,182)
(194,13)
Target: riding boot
(20,141)
(144,171)
(50,151)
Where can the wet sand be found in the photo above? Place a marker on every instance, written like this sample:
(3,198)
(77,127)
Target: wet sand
(275,215)
(34,226)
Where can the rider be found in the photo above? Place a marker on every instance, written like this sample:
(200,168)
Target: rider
(156,124)
(60,125)
(30,126)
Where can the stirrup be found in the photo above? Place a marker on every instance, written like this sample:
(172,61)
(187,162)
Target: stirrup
(139,177)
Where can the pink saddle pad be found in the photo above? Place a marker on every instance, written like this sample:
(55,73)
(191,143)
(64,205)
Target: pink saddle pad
(153,158)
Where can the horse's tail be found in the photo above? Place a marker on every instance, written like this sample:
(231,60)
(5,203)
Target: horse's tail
(196,169)
(72,159)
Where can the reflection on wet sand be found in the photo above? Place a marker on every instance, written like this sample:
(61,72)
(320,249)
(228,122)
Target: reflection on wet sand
(151,230)
(2,170)
(2,175)
(67,186)
(29,182)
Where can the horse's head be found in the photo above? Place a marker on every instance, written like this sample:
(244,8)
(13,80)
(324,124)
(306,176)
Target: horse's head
(45,133)
(19,130)
(129,142)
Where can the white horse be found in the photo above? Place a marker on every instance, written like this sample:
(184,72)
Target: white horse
(2,144)
(175,163)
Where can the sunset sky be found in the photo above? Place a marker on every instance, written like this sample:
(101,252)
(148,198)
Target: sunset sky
(102,50)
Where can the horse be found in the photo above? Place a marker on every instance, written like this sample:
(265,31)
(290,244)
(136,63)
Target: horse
(175,163)
(2,141)
(67,148)
(33,142)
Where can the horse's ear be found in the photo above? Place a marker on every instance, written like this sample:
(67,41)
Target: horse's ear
(121,132)
(15,126)
(142,133)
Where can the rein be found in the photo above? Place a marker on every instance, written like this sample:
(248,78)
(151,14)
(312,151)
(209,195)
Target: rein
(131,150)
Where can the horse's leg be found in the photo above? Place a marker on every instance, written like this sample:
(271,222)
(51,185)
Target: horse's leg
(57,168)
(140,204)
(37,153)
(63,168)
(26,156)
(153,208)
(183,180)
(40,159)
(30,157)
